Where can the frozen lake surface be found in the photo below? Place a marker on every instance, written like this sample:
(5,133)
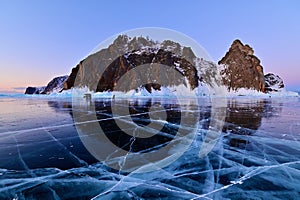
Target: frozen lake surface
(256,156)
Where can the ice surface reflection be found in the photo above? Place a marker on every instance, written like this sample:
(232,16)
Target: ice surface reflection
(257,156)
(161,133)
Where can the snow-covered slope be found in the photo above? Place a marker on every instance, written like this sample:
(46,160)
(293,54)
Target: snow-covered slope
(55,85)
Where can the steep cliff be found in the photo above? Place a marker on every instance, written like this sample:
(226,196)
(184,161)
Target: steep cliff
(108,65)
(242,68)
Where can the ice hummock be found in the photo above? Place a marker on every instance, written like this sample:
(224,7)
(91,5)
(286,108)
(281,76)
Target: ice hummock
(183,91)
(180,91)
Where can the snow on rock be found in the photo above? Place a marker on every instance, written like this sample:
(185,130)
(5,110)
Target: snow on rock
(55,85)
(273,83)
(239,73)
(138,51)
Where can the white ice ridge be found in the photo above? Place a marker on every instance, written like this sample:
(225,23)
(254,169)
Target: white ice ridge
(165,92)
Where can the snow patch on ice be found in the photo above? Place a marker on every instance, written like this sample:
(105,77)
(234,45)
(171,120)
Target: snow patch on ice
(255,93)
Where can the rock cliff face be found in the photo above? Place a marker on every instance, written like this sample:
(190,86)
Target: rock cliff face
(273,83)
(91,68)
(242,68)
(112,63)
(55,85)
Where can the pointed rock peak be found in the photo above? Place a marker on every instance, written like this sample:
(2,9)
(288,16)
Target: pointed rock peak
(242,68)
(237,42)
(246,49)
(170,43)
(121,39)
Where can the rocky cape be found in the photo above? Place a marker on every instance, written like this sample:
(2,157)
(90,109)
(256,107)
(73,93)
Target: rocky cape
(101,71)
(55,85)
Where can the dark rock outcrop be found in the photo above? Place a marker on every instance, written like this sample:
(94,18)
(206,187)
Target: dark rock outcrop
(273,83)
(242,68)
(30,90)
(123,64)
(102,70)
(34,90)
(55,85)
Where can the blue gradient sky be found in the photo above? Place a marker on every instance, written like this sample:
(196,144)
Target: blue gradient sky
(43,39)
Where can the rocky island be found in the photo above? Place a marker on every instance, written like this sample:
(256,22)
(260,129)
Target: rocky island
(239,68)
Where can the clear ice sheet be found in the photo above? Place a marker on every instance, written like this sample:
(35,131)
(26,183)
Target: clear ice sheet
(256,157)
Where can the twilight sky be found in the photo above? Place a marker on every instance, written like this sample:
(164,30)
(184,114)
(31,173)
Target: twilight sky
(43,39)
